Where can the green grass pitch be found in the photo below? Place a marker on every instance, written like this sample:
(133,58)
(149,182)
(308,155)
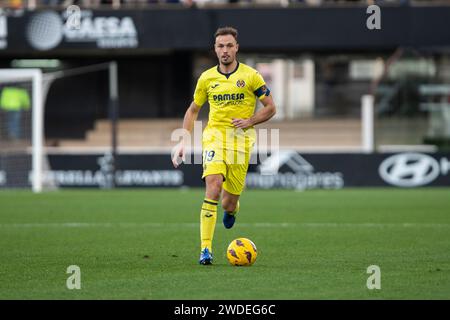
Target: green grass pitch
(144,244)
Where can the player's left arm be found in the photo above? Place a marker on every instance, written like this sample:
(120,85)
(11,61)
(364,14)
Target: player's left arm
(262,115)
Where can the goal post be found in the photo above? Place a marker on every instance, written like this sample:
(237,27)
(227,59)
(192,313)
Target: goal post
(367,124)
(37,118)
(37,84)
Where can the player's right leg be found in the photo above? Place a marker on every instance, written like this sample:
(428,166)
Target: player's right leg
(208,216)
(214,171)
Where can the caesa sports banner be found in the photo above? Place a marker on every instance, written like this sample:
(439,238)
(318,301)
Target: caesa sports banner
(85,30)
(287,170)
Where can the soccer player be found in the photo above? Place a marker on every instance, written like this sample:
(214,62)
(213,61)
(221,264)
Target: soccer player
(231,88)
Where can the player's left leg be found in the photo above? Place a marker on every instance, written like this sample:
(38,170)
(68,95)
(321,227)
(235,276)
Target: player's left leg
(238,160)
(232,187)
(230,205)
(214,172)
(208,216)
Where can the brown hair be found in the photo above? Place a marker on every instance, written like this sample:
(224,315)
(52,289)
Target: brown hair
(226,31)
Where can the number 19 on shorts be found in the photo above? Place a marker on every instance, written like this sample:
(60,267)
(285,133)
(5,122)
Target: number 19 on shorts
(208,155)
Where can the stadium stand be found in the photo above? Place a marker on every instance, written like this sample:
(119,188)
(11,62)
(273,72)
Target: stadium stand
(312,134)
(157,132)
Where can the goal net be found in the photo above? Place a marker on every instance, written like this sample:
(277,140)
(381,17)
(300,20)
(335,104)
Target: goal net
(23,159)
(21,129)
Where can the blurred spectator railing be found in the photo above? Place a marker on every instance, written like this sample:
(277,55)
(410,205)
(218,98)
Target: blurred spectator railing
(116,4)
(33,4)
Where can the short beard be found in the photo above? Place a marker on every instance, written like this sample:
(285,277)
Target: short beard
(227,63)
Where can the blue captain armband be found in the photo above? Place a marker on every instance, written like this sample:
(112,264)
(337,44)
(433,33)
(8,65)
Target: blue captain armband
(262,91)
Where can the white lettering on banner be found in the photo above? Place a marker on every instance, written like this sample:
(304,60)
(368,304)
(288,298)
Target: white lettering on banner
(117,43)
(3,30)
(124,178)
(299,181)
(2,178)
(3,26)
(108,32)
(445,166)
(300,176)
(150,178)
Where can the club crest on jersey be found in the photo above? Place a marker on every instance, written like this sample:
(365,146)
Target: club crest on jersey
(240,83)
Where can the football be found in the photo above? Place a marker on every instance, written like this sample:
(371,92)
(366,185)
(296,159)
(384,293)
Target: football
(242,252)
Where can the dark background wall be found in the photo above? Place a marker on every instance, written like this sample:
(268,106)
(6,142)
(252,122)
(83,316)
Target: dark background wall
(156,78)
(268,28)
(149,87)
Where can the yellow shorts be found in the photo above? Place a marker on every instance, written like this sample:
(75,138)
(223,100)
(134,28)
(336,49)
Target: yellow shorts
(228,158)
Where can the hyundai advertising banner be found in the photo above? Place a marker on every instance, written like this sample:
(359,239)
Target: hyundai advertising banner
(285,170)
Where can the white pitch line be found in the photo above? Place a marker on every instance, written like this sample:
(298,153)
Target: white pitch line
(196,225)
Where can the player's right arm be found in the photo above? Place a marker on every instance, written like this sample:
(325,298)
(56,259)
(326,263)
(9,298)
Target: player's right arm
(188,123)
(200,97)
(190,116)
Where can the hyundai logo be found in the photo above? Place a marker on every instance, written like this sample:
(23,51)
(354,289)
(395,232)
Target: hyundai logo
(409,169)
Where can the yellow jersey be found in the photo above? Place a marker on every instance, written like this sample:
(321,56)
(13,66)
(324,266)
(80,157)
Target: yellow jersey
(231,95)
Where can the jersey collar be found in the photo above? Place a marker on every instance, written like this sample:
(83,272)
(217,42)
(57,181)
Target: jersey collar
(228,74)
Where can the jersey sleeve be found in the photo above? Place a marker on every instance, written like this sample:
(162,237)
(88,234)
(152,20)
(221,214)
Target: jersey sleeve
(259,86)
(200,94)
